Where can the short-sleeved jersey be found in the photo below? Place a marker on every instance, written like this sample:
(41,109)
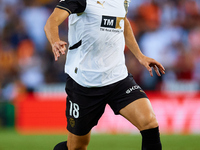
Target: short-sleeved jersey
(95,55)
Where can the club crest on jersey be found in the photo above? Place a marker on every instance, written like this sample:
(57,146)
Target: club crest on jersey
(126,5)
(112,23)
(72,122)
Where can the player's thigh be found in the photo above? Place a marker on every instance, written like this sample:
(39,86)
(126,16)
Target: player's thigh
(78,142)
(140,113)
(84,107)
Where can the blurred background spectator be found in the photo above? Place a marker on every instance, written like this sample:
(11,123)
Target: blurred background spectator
(167,30)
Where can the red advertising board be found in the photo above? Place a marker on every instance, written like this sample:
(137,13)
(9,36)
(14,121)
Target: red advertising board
(175,112)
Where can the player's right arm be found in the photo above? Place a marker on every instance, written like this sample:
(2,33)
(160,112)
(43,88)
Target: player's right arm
(52,31)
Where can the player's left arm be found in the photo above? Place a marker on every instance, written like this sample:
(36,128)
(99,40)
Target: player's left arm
(132,44)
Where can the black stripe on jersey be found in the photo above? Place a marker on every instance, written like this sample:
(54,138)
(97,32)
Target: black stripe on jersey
(75,45)
(72,6)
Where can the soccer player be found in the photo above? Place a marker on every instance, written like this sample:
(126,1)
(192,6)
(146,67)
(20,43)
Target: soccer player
(96,71)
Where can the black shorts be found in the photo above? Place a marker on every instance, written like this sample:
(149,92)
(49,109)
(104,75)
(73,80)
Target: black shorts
(85,105)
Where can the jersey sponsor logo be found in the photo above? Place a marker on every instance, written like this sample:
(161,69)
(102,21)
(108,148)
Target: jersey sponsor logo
(112,23)
(98,2)
(133,88)
(108,21)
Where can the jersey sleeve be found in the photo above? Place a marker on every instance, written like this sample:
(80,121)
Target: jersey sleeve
(72,6)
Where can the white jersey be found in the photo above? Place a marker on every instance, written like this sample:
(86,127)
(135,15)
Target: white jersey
(95,55)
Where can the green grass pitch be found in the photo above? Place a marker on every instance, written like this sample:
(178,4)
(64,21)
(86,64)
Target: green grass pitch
(11,140)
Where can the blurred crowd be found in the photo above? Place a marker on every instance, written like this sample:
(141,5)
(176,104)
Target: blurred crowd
(166,30)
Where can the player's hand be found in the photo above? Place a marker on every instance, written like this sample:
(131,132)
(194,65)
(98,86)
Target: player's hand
(150,63)
(57,48)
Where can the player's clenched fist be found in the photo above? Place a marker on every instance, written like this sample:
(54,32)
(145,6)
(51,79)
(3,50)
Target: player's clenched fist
(57,48)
